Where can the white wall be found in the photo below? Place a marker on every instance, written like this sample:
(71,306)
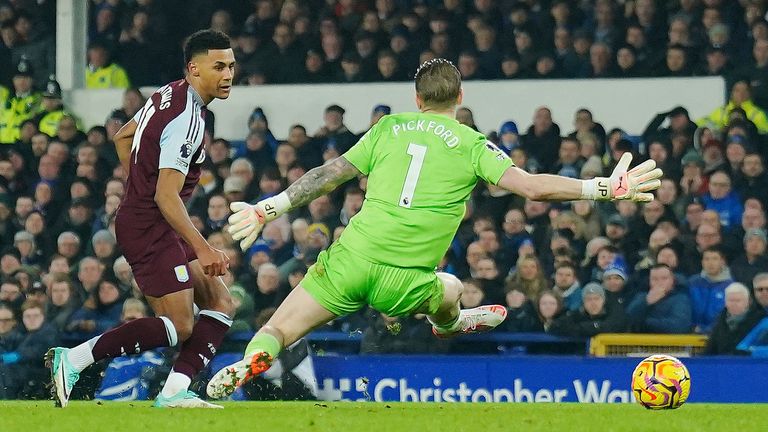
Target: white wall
(628,103)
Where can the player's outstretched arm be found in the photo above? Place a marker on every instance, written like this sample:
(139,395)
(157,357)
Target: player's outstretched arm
(623,184)
(123,141)
(320,181)
(169,184)
(247,220)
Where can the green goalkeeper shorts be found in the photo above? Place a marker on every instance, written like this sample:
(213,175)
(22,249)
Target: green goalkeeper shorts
(343,282)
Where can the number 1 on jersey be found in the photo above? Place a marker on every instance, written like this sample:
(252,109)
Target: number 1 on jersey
(417,153)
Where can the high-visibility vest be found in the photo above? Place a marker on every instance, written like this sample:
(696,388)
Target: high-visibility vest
(14,112)
(112,76)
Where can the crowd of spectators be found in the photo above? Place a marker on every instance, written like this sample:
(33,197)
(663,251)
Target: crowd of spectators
(295,41)
(693,260)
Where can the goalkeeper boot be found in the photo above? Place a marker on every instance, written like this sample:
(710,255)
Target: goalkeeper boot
(183,399)
(63,375)
(475,320)
(229,378)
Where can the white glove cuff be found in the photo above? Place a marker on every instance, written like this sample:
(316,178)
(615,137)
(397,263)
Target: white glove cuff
(274,207)
(596,189)
(588,188)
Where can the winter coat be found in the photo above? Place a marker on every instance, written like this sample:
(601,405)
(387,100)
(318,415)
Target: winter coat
(671,314)
(724,339)
(581,324)
(708,298)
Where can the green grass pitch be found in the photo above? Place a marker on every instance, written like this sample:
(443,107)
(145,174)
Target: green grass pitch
(390,417)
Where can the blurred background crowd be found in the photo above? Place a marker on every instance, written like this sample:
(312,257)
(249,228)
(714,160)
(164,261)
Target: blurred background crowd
(693,260)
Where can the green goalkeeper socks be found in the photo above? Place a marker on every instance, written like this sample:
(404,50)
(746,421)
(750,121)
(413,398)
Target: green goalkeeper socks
(449,327)
(264,342)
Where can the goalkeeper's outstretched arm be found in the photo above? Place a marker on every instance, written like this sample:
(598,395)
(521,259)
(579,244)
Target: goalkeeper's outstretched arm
(320,181)
(623,184)
(247,220)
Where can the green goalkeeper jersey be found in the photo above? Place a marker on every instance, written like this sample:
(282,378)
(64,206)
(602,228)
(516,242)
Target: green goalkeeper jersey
(421,170)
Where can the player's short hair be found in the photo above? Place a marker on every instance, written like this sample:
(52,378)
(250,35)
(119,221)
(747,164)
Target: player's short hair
(202,41)
(438,83)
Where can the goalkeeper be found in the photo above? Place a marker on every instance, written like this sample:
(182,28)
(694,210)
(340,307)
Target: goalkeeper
(421,169)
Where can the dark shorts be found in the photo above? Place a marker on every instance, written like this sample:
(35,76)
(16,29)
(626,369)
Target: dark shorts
(157,255)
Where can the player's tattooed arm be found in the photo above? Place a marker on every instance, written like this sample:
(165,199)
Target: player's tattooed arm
(247,221)
(320,181)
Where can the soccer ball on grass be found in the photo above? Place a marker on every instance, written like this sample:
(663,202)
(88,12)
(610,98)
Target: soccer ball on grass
(661,382)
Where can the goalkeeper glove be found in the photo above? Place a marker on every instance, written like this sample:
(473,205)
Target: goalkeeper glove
(247,220)
(635,184)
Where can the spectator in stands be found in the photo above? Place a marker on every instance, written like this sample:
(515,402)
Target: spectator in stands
(243,168)
(218,212)
(579,63)
(616,231)
(549,307)
(333,135)
(753,182)
(78,219)
(465,116)
(723,199)
(133,100)
(101,72)
(734,322)
(475,253)
(141,49)
(509,139)
(741,97)
(100,311)
(473,295)
(321,211)
(756,72)
(23,104)
(753,260)
(760,287)
(527,277)
(676,63)
(569,162)
(713,154)
(351,69)
(543,139)
(268,291)
(693,182)
(707,289)
(10,338)
(706,236)
(63,301)
(52,108)
(679,121)
(286,56)
(10,292)
(27,359)
(600,60)
(665,308)
(583,122)
(566,285)
(614,279)
(513,233)
(592,318)
(521,315)
(717,62)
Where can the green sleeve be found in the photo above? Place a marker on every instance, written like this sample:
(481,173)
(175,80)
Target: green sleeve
(361,154)
(489,161)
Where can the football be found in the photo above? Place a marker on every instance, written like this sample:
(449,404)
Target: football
(661,382)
